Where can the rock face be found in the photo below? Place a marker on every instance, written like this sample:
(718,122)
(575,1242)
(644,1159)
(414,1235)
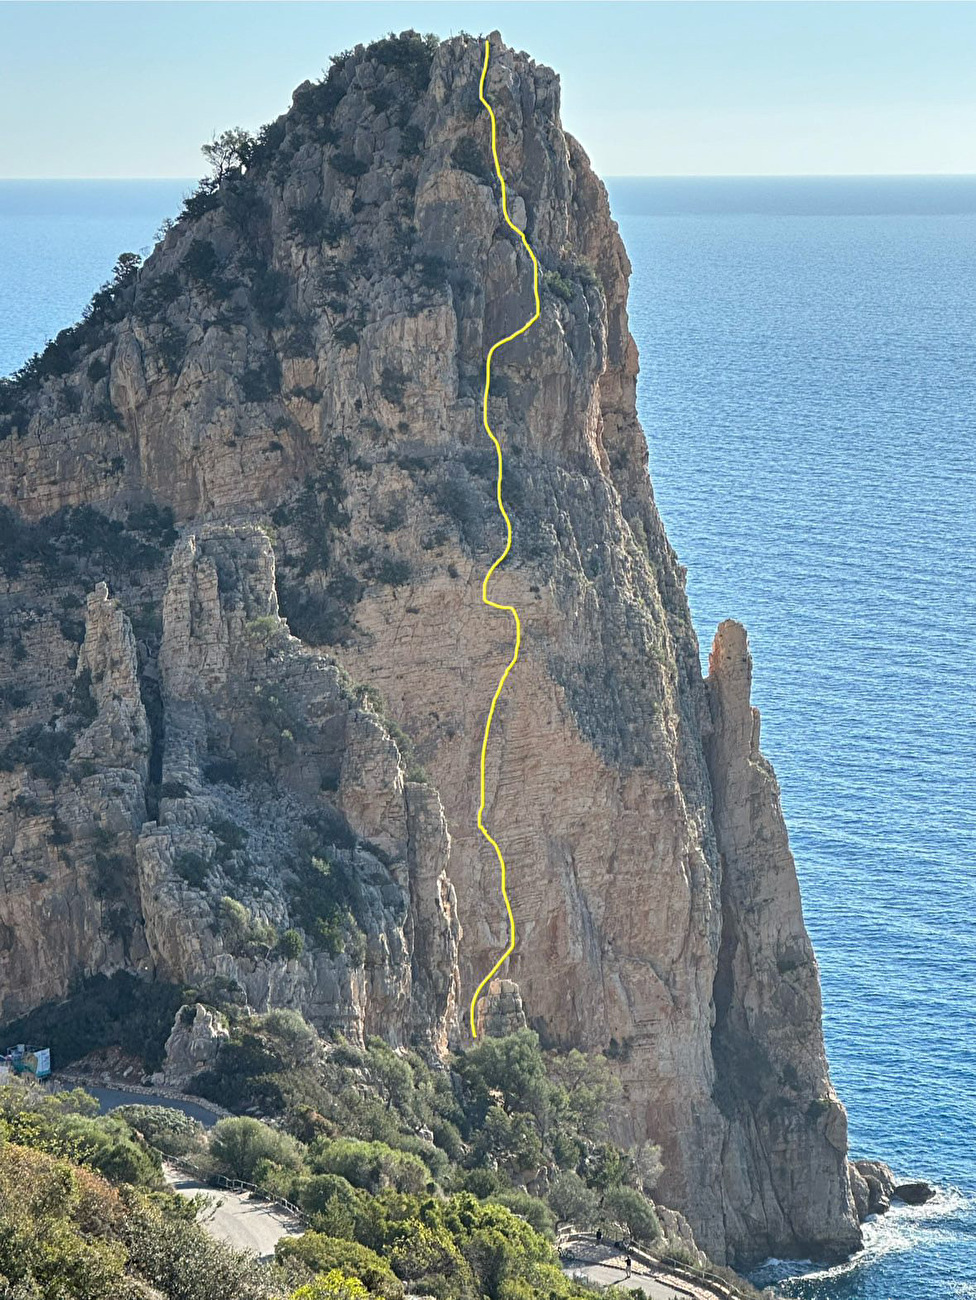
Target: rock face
(191,1047)
(295,374)
(766,1039)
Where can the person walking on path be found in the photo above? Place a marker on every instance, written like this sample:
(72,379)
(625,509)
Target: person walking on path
(627,1263)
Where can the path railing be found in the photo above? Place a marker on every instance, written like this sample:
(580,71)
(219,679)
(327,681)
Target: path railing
(203,1175)
(569,1238)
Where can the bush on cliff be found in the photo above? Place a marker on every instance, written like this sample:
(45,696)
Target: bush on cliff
(63,1125)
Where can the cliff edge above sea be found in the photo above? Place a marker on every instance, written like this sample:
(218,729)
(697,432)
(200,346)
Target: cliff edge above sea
(247,505)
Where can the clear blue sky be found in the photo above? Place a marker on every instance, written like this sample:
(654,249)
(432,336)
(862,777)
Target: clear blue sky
(133,89)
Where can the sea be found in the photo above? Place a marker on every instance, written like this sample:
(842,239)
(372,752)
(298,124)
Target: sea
(808,390)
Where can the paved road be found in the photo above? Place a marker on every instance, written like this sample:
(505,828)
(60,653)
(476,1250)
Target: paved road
(109,1098)
(246,1224)
(608,1275)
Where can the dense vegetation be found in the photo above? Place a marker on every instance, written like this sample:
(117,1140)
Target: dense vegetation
(83,1216)
(440,1180)
(379,1147)
(415,1178)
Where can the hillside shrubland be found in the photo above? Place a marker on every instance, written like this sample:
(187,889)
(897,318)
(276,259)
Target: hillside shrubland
(444,1180)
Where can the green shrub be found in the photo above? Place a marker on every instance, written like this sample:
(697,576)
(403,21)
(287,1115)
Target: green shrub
(61,833)
(393,385)
(319,897)
(334,1285)
(309,393)
(291,944)
(265,1068)
(223,771)
(56,542)
(434,272)
(200,261)
(313,225)
(159,294)
(105,413)
(409,54)
(119,1010)
(155,521)
(180,1260)
(173,790)
(262,382)
(269,294)
(294,1037)
(231,835)
(530,1208)
(461,501)
(235,921)
(97,370)
(412,140)
(321,1254)
(381,98)
(347,164)
(300,341)
(559,286)
(318,618)
(40,751)
(13,696)
(165,1128)
(113,875)
(373,1166)
(572,1201)
(628,1207)
(246,208)
(392,571)
(238,1143)
(205,198)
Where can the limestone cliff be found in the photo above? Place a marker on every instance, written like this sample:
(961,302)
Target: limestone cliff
(295,374)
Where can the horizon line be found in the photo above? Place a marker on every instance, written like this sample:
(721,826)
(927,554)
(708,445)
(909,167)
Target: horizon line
(610,176)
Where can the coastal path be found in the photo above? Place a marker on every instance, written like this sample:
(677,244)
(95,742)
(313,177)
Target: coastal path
(240,1218)
(585,1258)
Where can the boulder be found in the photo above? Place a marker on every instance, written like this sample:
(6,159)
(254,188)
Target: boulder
(880,1182)
(913,1193)
(192,1046)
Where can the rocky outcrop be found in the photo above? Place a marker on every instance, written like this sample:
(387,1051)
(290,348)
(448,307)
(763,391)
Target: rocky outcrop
(772,1081)
(500,1010)
(917,1192)
(192,1046)
(284,796)
(875,1187)
(295,374)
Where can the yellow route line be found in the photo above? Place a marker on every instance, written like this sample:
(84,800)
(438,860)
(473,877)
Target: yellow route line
(509,609)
